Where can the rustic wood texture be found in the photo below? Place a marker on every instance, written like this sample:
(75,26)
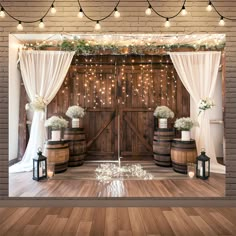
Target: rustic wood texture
(57,153)
(118,221)
(81,182)
(131,85)
(198,21)
(182,153)
(77,145)
(162,140)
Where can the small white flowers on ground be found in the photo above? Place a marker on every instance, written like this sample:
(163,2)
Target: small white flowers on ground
(163,112)
(75,112)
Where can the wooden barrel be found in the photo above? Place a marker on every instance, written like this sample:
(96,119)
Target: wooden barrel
(182,153)
(77,145)
(162,145)
(57,153)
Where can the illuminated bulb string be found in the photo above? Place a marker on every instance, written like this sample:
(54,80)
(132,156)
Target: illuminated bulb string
(167,23)
(3,12)
(221,22)
(97,25)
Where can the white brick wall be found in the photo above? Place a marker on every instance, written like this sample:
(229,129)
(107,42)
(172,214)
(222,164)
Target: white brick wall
(133,20)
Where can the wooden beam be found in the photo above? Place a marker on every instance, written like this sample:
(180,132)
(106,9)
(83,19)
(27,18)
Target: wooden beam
(141,138)
(113,115)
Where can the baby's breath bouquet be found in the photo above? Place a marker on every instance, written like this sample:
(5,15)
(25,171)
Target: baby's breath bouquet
(56,122)
(38,104)
(185,123)
(163,112)
(205,104)
(75,112)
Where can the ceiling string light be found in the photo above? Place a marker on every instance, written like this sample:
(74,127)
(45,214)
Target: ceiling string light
(115,13)
(149,10)
(2,12)
(19,27)
(97,25)
(221,22)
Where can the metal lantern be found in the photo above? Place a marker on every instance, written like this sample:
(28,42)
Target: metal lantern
(39,166)
(203,166)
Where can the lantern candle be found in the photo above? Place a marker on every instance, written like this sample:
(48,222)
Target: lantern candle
(50,174)
(191,170)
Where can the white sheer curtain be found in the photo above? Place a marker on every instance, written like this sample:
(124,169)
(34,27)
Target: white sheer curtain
(198,72)
(43,73)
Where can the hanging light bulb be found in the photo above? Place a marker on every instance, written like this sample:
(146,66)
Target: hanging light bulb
(81,13)
(184,11)
(53,9)
(117,13)
(19,26)
(167,23)
(148,11)
(221,22)
(2,12)
(209,7)
(97,26)
(41,24)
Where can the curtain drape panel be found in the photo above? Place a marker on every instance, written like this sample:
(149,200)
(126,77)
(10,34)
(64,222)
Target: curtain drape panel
(43,73)
(198,73)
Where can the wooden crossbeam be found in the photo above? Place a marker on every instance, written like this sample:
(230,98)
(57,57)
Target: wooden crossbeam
(113,115)
(134,129)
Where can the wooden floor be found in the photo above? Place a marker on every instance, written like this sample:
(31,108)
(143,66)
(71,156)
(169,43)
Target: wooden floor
(117,221)
(22,185)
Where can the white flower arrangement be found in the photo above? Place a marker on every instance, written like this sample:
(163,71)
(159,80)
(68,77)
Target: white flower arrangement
(185,123)
(75,112)
(205,104)
(163,112)
(56,122)
(38,104)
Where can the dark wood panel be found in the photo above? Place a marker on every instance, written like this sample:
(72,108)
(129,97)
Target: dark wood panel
(129,84)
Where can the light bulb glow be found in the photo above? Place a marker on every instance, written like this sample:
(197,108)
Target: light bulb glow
(184,11)
(19,26)
(167,23)
(2,13)
(41,24)
(80,14)
(53,9)
(97,26)
(222,22)
(148,11)
(117,13)
(209,7)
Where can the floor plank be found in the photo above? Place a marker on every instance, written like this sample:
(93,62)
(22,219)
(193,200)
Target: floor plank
(118,221)
(22,185)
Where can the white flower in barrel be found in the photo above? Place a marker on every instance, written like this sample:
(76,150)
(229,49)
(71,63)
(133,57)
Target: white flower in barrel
(56,123)
(205,104)
(75,113)
(163,113)
(185,124)
(38,104)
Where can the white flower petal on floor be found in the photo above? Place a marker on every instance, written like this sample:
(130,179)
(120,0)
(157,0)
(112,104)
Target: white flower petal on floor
(109,171)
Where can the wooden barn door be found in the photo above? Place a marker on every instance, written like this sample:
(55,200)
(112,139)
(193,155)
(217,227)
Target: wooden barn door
(128,85)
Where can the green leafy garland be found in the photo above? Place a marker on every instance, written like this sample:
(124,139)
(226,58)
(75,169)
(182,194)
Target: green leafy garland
(82,47)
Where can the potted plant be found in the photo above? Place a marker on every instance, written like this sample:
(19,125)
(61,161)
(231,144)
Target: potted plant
(163,113)
(56,123)
(75,113)
(185,124)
